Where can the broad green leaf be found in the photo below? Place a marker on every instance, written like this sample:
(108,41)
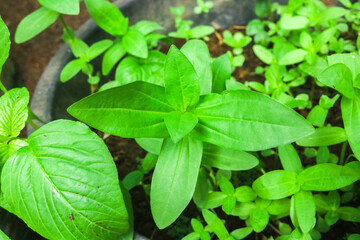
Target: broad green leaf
(13,112)
(107,16)
(71,69)
(149,70)
(180,124)
(350,110)
(215,224)
(146,27)
(351,60)
(259,219)
(201,190)
(198,54)
(326,177)
(3,236)
(8,148)
(192,236)
(289,22)
(279,207)
(323,155)
(245,194)
(201,31)
(293,57)
(35,23)
(175,175)
(289,158)
(314,69)
(353,236)
(350,214)
(305,210)
(69,7)
(98,48)
(263,54)
(226,186)
(129,235)
(214,200)
(132,179)
(4,43)
(241,233)
(83,201)
(276,184)
(228,159)
(323,38)
(332,13)
(151,145)
(134,43)
(325,136)
(112,56)
(339,77)
(221,71)
(133,110)
(272,123)
(182,86)
(306,40)
(243,210)
(149,162)
(228,204)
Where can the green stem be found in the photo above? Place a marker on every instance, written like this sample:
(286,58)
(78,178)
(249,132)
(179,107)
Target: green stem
(348,158)
(66,27)
(342,155)
(2,87)
(31,122)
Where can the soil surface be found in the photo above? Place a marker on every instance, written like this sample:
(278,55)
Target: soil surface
(31,58)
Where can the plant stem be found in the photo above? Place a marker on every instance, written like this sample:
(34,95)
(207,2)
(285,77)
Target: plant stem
(275,229)
(2,87)
(342,155)
(31,122)
(66,27)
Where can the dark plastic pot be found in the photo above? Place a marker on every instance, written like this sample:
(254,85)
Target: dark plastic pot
(51,98)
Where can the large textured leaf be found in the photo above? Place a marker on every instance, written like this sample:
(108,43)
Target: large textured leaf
(351,116)
(107,16)
(228,159)
(35,23)
(181,83)
(174,180)
(246,120)
(70,7)
(276,184)
(64,185)
(133,110)
(198,54)
(13,112)
(327,177)
(4,43)
(134,43)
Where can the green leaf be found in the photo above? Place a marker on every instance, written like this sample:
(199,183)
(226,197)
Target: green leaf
(339,77)
(293,57)
(243,210)
(71,69)
(192,236)
(13,112)
(35,23)
(228,204)
(349,214)
(133,110)
(83,201)
(214,200)
(112,56)
(180,124)
(201,190)
(146,27)
(323,155)
(272,123)
(326,177)
(7,149)
(98,48)
(107,16)
(151,145)
(351,60)
(3,236)
(175,175)
(149,70)
(134,43)
(353,236)
(241,233)
(332,13)
(289,158)
(289,22)
(181,83)
(245,194)
(325,136)
(69,7)
(259,219)
(226,186)
(306,40)
(132,179)
(279,207)
(198,54)
(228,159)
(350,110)
(4,43)
(201,31)
(263,54)
(262,8)
(221,71)
(305,210)
(215,224)
(276,184)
